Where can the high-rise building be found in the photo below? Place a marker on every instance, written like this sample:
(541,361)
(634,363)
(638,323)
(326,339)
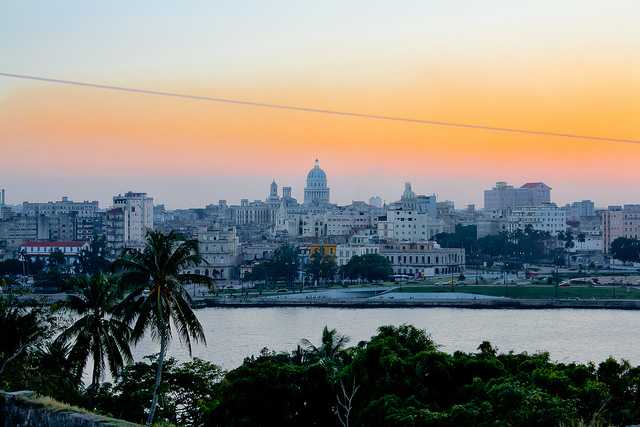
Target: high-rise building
(128,222)
(502,198)
(620,221)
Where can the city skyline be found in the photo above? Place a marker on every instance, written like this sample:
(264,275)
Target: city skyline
(574,71)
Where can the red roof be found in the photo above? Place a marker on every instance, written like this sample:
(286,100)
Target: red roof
(69,244)
(535,184)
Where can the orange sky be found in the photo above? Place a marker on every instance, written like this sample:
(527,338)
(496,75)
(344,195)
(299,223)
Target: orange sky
(51,131)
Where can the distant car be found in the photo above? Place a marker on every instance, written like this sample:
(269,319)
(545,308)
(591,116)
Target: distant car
(282,290)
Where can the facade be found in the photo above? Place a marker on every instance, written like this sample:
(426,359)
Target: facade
(503,198)
(65,206)
(137,209)
(409,201)
(409,226)
(70,249)
(423,259)
(316,191)
(220,250)
(620,221)
(546,217)
(578,210)
(358,245)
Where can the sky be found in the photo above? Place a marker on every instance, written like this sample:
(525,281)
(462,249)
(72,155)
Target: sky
(570,67)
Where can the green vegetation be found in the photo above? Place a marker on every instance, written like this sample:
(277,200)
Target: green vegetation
(369,267)
(534,291)
(400,378)
(159,302)
(627,250)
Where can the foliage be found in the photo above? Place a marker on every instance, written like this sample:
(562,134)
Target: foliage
(93,260)
(626,250)
(369,267)
(158,298)
(321,267)
(185,391)
(96,332)
(464,236)
(402,379)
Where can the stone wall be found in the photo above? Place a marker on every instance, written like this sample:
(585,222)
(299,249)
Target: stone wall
(21,409)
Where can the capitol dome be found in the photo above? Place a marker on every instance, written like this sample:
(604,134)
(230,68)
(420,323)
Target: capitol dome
(316,178)
(316,191)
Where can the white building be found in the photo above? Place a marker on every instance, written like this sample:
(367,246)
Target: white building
(546,217)
(65,206)
(410,201)
(219,247)
(359,245)
(423,259)
(127,223)
(409,225)
(71,250)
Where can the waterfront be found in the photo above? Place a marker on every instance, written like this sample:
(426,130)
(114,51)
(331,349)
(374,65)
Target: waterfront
(567,334)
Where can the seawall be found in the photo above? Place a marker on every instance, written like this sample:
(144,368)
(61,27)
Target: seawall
(22,409)
(610,304)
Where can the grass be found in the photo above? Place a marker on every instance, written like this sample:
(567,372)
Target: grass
(57,406)
(533,292)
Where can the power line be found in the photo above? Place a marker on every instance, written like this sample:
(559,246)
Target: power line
(320,110)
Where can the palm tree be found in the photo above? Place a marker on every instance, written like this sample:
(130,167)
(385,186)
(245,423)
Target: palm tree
(332,344)
(159,300)
(97,332)
(22,330)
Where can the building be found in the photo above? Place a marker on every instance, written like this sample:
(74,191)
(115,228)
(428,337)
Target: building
(65,206)
(41,250)
(219,247)
(546,217)
(409,226)
(376,201)
(423,259)
(137,209)
(576,211)
(316,191)
(503,198)
(358,245)
(620,221)
(409,201)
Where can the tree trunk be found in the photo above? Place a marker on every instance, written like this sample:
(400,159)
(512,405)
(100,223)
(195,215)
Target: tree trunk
(154,402)
(95,378)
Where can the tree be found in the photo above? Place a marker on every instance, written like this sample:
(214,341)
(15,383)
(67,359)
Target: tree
(22,330)
(97,332)
(186,391)
(92,260)
(284,264)
(625,249)
(331,345)
(158,298)
(370,267)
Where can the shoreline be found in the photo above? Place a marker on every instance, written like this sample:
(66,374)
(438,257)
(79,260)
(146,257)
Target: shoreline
(529,304)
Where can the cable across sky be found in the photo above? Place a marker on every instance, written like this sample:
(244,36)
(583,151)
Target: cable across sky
(320,110)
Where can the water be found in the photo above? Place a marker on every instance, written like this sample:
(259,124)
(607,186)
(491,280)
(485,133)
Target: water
(567,334)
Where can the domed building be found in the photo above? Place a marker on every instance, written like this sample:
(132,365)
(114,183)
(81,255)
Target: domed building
(316,192)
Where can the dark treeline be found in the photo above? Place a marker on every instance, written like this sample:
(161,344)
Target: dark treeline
(398,378)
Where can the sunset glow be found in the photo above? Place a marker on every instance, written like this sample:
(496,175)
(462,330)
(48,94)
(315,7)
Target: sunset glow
(514,77)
